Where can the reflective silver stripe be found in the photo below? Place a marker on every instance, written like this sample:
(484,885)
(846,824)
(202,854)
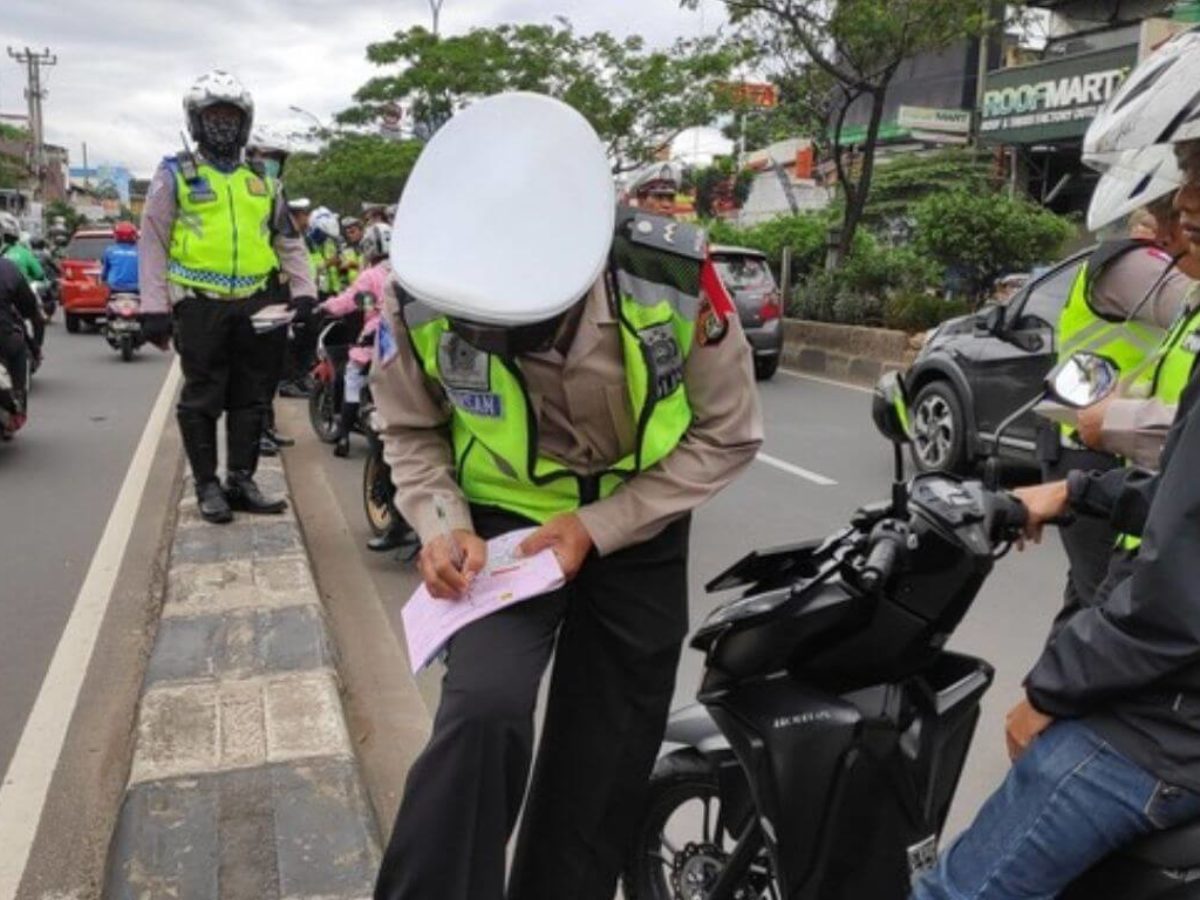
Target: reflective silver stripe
(416,313)
(1099,333)
(652,293)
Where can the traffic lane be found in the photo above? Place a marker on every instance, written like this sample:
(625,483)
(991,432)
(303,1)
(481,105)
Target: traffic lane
(59,478)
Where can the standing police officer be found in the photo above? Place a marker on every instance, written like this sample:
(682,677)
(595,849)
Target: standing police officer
(535,370)
(215,233)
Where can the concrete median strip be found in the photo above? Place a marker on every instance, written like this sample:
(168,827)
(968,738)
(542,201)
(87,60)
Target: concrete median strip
(244,783)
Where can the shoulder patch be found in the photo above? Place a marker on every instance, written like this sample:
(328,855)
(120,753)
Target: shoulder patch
(711,328)
(663,233)
(256,186)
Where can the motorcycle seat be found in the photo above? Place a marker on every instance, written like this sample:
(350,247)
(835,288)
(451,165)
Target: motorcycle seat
(1175,848)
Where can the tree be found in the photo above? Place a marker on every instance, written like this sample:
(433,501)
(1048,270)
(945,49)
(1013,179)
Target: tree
(845,52)
(352,169)
(980,235)
(719,187)
(637,99)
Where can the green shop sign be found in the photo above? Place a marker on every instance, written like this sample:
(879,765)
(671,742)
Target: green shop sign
(1052,100)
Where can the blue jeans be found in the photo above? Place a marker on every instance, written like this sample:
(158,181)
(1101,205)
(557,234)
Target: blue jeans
(1069,801)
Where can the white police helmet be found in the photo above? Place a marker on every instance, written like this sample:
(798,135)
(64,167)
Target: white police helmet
(1134,179)
(508,215)
(214,87)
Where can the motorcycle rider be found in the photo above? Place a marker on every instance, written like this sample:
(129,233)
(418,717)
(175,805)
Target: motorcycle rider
(366,294)
(22,256)
(322,238)
(1107,741)
(214,232)
(119,265)
(18,306)
(602,400)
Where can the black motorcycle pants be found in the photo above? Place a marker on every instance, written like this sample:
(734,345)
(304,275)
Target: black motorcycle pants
(229,368)
(615,632)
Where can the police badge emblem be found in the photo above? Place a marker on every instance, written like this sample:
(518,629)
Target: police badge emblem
(710,327)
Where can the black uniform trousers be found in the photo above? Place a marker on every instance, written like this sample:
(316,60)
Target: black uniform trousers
(616,632)
(1088,541)
(228,368)
(14,352)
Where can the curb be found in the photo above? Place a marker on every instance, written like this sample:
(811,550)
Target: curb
(845,352)
(244,783)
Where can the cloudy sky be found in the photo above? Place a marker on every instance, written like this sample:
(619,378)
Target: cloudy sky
(123,65)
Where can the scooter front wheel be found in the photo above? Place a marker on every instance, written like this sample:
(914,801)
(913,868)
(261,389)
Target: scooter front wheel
(683,842)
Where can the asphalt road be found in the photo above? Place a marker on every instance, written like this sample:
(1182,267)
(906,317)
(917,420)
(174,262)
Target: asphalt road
(58,481)
(817,433)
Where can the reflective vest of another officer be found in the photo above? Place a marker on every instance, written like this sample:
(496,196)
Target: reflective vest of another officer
(1121,302)
(322,241)
(556,376)
(214,235)
(351,258)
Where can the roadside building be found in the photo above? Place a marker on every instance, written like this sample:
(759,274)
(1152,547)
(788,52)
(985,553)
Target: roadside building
(1036,109)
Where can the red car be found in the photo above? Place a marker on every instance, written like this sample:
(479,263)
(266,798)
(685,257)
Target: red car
(83,294)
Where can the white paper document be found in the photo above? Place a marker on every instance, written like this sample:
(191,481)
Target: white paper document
(506,579)
(270,317)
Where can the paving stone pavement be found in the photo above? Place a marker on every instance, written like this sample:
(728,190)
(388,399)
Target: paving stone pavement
(244,783)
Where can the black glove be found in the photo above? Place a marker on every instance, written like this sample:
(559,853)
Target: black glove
(303,307)
(156,329)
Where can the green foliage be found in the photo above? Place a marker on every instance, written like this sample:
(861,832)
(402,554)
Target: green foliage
(718,184)
(12,133)
(920,312)
(70,217)
(906,179)
(352,169)
(981,235)
(805,234)
(844,52)
(636,98)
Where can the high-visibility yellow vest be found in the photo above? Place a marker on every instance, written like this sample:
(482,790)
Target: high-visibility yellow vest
(493,426)
(221,237)
(1124,343)
(1170,374)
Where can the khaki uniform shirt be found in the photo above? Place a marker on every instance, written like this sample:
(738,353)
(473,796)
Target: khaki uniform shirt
(585,421)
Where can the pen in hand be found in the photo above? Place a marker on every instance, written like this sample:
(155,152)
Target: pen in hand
(456,554)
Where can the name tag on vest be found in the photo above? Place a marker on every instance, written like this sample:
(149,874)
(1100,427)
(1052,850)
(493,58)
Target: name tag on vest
(665,358)
(478,403)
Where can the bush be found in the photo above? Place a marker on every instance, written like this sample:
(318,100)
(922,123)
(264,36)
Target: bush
(805,234)
(920,312)
(980,235)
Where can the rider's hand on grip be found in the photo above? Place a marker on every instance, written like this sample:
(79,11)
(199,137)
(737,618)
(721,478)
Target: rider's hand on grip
(1044,503)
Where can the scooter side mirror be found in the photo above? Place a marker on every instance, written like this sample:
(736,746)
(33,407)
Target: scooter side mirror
(1081,380)
(889,409)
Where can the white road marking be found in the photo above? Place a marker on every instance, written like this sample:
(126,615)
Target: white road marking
(806,474)
(27,781)
(817,378)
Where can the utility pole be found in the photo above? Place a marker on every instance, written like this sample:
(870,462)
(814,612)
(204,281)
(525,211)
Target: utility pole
(435,7)
(35,94)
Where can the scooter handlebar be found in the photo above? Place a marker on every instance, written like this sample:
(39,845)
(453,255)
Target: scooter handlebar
(1009,516)
(889,541)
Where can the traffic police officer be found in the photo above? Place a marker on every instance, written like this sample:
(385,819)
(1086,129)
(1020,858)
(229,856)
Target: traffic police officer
(214,235)
(1121,303)
(535,370)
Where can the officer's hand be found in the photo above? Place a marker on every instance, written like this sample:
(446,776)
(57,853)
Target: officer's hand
(1043,502)
(1022,724)
(567,537)
(436,564)
(156,329)
(1090,423)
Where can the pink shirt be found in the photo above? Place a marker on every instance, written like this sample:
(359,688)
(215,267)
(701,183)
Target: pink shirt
(371,281)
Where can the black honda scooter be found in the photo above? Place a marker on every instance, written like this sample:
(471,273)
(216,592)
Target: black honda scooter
(833,725)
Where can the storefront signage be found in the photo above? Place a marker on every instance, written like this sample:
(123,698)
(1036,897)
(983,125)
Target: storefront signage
(1052,100)
(925,118)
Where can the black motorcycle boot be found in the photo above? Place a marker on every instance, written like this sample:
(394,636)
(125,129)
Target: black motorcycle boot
(243,430)
(199,434)
(346,424)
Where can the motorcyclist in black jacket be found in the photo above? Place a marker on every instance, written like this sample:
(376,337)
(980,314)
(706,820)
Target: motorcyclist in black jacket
(18,306)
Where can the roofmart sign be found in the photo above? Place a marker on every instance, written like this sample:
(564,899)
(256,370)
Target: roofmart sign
(1052,100)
